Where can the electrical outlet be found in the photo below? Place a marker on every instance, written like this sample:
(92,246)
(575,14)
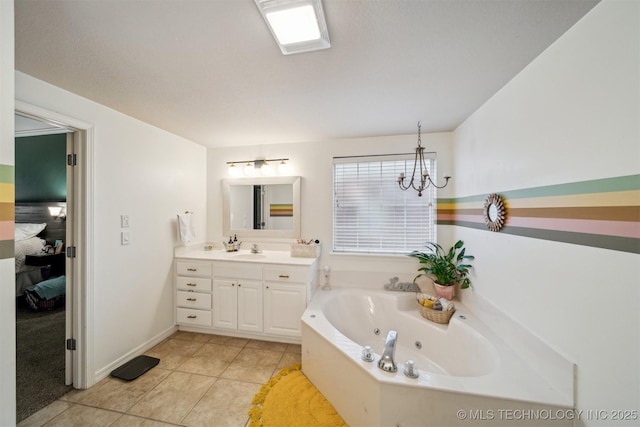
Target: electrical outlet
(124,221)
(125,238)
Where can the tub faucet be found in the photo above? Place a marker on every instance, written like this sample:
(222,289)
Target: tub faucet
(386,362)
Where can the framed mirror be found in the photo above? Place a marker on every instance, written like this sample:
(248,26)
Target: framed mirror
(494,212)
(262,207)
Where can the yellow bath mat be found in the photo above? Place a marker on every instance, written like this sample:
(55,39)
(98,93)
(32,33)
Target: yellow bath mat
(290,400)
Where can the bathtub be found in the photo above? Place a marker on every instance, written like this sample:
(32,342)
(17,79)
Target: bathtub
(467,375)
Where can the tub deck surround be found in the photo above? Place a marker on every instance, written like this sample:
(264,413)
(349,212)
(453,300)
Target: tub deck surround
(462,365)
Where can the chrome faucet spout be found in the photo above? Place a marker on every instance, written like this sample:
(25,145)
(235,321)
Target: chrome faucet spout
(387,362)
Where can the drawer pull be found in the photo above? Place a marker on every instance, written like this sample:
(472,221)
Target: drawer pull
(284,276)
(192,269)
(192,284)
(192,316)
(191,299)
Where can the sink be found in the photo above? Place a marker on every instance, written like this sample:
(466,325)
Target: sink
(249,256)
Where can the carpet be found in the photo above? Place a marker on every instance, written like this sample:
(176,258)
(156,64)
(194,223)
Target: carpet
(289,399)
(40,364)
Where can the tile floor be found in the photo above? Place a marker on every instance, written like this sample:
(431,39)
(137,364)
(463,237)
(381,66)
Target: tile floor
(201,380)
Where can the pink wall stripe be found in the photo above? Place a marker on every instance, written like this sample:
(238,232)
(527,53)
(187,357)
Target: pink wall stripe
(7,230)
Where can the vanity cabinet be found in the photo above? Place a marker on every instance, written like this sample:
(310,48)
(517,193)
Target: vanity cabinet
(248,299)
(193,293)
(285,299)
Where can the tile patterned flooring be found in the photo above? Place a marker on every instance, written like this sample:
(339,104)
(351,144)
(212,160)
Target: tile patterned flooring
(201,380)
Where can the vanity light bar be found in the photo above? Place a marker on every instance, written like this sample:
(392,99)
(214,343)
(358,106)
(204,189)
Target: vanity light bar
(262,165)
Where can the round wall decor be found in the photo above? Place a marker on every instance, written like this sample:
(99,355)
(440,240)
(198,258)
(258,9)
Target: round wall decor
(494,212)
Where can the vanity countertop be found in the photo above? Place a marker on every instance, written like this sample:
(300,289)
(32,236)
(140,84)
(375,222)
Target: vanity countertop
(265,257)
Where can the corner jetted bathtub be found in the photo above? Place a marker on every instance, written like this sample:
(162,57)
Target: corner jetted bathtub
(467,375)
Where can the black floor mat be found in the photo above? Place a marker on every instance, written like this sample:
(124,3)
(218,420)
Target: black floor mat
(135,367)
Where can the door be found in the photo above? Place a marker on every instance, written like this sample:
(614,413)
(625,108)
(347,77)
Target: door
(284,305)
(225,304)
(79,368)
(250,306)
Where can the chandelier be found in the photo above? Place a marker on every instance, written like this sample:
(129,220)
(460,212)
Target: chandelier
(423,172)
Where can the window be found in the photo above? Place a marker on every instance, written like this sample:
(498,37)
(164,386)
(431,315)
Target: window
(370,212)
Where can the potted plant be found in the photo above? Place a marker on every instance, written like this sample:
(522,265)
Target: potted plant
(446,268)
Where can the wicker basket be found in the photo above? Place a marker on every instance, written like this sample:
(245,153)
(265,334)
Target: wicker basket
(437,316)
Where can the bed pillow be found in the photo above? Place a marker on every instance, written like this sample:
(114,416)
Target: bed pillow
(26,231)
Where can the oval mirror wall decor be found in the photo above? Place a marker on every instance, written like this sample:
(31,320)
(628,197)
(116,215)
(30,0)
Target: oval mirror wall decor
(494,212)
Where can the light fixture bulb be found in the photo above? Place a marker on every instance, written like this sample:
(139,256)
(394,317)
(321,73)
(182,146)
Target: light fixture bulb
(249,169)
(284,168)
(266,169)
(234,170)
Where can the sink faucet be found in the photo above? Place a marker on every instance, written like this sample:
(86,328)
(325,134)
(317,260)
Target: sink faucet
(386,362)
(255,249)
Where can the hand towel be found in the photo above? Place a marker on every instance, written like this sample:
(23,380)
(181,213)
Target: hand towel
(185,227)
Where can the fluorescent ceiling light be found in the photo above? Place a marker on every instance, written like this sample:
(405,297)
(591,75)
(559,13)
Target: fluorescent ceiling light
(297,25)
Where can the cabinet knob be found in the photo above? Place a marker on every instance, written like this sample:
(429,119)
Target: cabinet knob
(192,269)
(191,299)
(192,316)
(191,284)
(267,287)
(284,276)
(239,285)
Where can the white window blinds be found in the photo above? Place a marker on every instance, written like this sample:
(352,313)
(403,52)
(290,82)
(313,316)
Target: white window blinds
(371,214)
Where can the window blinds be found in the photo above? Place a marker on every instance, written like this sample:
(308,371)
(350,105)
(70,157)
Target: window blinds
(371,214)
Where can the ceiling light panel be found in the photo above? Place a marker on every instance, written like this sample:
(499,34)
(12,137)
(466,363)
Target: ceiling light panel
(296,25)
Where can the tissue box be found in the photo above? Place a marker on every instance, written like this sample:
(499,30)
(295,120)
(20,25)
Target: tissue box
(305,251)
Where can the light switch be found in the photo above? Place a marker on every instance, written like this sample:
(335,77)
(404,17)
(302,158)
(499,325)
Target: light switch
(124,221)
(125,238)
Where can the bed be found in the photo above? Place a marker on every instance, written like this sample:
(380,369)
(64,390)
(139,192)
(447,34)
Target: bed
(37,233)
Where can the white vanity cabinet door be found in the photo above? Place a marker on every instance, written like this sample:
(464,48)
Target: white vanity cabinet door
(250,306)
(225,304)
(284,304)
(237,305)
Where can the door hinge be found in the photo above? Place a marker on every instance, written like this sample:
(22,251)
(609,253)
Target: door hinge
(72,159)
(71,251)
(71,344)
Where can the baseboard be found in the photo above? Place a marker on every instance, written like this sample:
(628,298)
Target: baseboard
(104,372)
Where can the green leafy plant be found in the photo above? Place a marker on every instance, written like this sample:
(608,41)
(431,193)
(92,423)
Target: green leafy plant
(446,267)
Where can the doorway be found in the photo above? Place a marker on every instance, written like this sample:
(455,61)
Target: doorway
(75,343)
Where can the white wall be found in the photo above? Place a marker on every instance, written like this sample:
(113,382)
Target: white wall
(572,115)
(150,175)
(314,163)
(7,266)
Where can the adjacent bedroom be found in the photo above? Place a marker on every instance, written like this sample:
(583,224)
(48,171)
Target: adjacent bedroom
(40,232)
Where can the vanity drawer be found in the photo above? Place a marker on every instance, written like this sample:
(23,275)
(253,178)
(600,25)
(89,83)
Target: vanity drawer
(286,274)
(194,300)
(186,268)
(238,270)
(193,284)
(188,316)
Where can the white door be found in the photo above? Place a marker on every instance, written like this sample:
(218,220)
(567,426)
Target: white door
(225,304)
(284,305)
(250,305)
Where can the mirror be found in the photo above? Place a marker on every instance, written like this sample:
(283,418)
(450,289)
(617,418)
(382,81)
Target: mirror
(494,212)
(262,207)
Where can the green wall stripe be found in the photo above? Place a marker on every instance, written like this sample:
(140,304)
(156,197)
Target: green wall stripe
(7,174)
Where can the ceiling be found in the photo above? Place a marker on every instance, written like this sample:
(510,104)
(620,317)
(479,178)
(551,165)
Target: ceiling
(211,72)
